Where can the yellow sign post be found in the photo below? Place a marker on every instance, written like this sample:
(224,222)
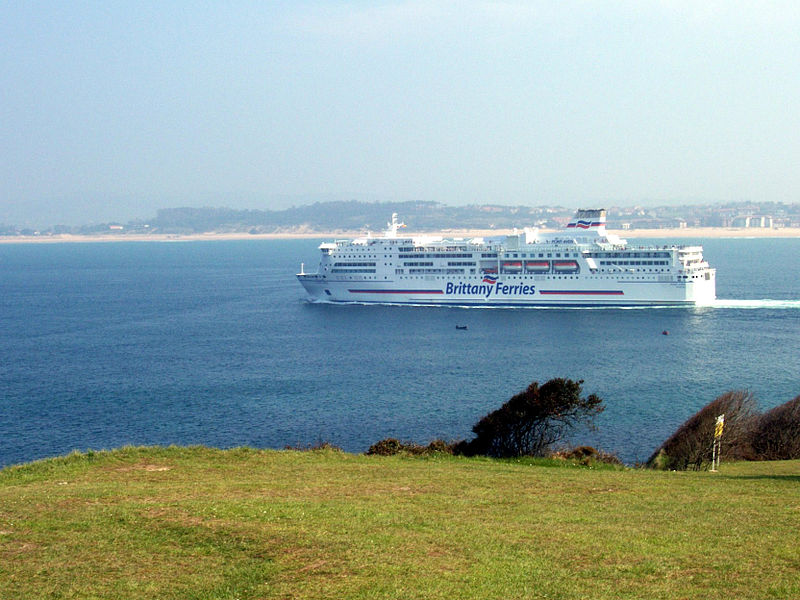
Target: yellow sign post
(718,427)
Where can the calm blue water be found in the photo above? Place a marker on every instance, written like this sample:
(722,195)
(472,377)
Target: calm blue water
(213,343)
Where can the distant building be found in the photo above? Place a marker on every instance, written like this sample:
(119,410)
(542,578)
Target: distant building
(752,221)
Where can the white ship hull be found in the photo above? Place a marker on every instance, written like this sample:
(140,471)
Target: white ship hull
(583,266)
(513,292)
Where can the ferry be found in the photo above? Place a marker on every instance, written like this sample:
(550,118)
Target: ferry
(581,265)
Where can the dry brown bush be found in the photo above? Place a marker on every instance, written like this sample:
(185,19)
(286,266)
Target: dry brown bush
(392,446)
(690,447)
(776,433)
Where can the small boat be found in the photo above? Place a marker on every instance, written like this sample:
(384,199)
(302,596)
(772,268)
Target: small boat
(461,326)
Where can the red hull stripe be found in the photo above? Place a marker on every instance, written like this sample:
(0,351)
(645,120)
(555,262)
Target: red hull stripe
(585,292)
(395,291)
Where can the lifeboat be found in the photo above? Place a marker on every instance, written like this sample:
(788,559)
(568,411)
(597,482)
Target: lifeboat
(512,267)
(537,266)
(565,266)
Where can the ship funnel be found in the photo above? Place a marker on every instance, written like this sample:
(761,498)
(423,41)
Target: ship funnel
(589,219)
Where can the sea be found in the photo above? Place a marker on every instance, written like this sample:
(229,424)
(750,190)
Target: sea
(214,342)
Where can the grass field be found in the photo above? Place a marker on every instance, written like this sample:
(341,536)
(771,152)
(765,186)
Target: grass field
(194,523)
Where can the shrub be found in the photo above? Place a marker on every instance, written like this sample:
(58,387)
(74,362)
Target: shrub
(386,447)
(440,447)
(587,455)
(690,447)
(392,446)
(776,433)
(532,421)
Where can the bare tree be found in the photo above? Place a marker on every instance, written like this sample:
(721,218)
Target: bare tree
(776,435)
(689,448)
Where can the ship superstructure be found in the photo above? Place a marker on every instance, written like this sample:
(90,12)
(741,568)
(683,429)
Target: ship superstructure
(581,265)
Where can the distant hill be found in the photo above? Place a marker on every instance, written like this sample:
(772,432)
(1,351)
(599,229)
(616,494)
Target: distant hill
(324,217)
(434,216)
(352,216)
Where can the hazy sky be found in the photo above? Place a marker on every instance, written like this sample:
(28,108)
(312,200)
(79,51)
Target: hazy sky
(114,109)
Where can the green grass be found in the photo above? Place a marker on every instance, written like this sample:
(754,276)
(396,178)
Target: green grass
(202,523)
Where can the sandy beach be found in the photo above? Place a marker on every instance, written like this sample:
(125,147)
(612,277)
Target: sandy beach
(671,233)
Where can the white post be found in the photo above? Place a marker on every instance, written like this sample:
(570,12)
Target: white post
(714,456)
(715,451)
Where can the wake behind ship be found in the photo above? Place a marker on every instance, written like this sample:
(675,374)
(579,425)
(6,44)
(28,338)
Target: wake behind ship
(581,265)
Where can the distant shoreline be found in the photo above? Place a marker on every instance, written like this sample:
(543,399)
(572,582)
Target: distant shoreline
(674,233)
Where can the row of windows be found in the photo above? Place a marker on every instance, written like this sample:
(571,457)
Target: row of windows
(629,254)
(425,253)
(437,255)
(418,255)
(417,264)
(543,255)
(354,264)
(630,270)
(452,271)
(548,277)
(634,262)
(615,277)
(437,271)
(461,264)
